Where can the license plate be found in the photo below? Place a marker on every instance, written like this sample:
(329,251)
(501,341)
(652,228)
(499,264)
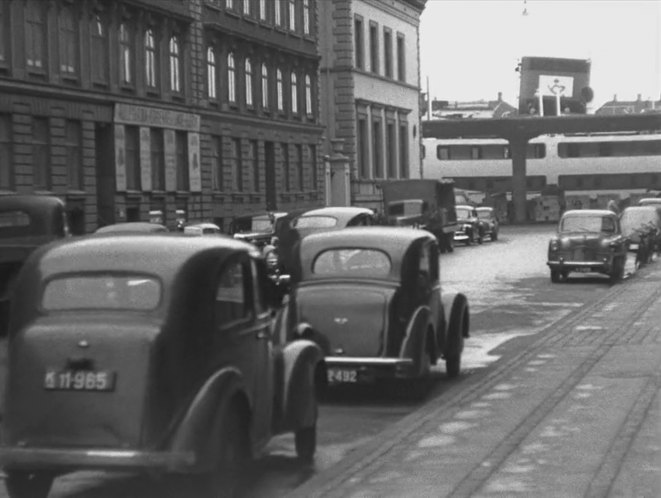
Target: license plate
(79,380)
(342,376)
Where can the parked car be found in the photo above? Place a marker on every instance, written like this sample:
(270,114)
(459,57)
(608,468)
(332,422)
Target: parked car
(311,221)
(258,229)
(588,240)
(202,229)
(133,227)
(469,230)
(642,226)
(26,222)
(489,225)
(650,201)
(372,296)
(121,360)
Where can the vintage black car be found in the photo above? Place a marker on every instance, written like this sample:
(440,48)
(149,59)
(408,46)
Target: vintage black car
(122,360)
(470,230)
(588,240)
(258,229)
(373,298)
(26,222)
(489,225)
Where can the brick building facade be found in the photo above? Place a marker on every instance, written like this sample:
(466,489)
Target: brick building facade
(161,109)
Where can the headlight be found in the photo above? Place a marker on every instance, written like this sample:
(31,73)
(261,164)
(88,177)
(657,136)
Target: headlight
(554,245)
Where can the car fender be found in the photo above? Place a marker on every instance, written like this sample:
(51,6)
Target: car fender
(415,339)
(458,325)
(302,365)
(199,425)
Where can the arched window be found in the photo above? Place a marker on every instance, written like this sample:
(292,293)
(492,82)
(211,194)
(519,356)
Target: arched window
(150,58)
(125,63)
(265,86)
(249,76)
(294,93)
(211,74)
(279,90)
(231,78)
(308,95)
(175,65)
(99,58)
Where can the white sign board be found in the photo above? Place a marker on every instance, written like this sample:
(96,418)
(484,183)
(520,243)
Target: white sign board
(551,85)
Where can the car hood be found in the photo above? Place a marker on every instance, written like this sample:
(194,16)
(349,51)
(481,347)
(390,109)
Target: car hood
(586,239)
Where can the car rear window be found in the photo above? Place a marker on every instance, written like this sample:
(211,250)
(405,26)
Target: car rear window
(352,262)
(102,291)
(588,224)
(14,223)
(484,215)
(315,222)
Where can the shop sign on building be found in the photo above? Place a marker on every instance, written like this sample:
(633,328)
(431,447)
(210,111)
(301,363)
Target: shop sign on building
(156,118)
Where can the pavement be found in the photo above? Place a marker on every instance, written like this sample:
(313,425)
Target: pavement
(576,412)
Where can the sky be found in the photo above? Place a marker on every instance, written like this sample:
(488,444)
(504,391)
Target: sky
(469,49)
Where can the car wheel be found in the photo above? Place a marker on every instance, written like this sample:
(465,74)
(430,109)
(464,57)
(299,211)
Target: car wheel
(28,484)
(494,235)
(306,443)
(617,273)
(450,239)
(555,276)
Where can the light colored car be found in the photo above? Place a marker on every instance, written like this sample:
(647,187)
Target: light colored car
(650,201)
(133,227)
(202,229)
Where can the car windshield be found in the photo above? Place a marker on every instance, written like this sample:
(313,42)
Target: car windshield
(484,215)
(315,222)
(352,262)
(407,208)
(463,213)
(584,223)
(635,218)
(101,291)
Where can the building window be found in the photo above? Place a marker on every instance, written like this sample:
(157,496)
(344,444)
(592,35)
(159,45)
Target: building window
(175,65)
(231,78)
(254,155)
(391,144)
(363,149)
(229,4)
(125,51)
(40,154)
(249,77)
(278,12)
(262,10)
(132,153)
(299,167)
(181,156)
(217,183)
(35,29)
(279,90)
(377,149)
(157,159)
(294,93)
(265,86)
(292,15)
(6,176)
(403,150)
(374,48)
(237,165)
(358,40)
(306,17)
(387,52)
(211,74)
(150,58)
(68,41)
(99,53)
(286,174)
(401,58)
(246,7)
(74,146)
(4,31)
(308,95)
(313,165)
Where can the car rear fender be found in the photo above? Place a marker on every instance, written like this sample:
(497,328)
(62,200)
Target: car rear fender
(415,339)
(199,428)
(458,326)
(302,366)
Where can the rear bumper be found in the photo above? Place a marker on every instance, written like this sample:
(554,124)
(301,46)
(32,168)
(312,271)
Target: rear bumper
(581,266)
(79,459)
(357,370)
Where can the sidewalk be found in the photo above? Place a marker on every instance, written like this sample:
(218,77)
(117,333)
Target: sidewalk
(578,413)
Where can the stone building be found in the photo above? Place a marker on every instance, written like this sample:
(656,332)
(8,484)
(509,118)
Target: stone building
(161,109)
(370,90)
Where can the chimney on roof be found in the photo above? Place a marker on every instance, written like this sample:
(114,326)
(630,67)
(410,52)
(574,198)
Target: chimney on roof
(500,96)
(615,97)
(640,97)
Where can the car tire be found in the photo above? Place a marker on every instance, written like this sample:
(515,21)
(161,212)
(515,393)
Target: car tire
(305,441)
(450,239)
(617,273)
(28,484)
(494,235)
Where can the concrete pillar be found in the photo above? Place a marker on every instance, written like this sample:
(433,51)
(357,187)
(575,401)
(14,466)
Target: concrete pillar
(518,147)
(338,176)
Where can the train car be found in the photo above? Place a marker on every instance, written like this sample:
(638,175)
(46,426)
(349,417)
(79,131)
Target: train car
(590,164)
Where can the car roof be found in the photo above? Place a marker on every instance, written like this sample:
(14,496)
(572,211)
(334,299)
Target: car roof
(396,242)
(650,200)
(133,226)
(484,208)
(589,212)
(465,206)
(339,212)
(134,253)
(203,225)
(28,202)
